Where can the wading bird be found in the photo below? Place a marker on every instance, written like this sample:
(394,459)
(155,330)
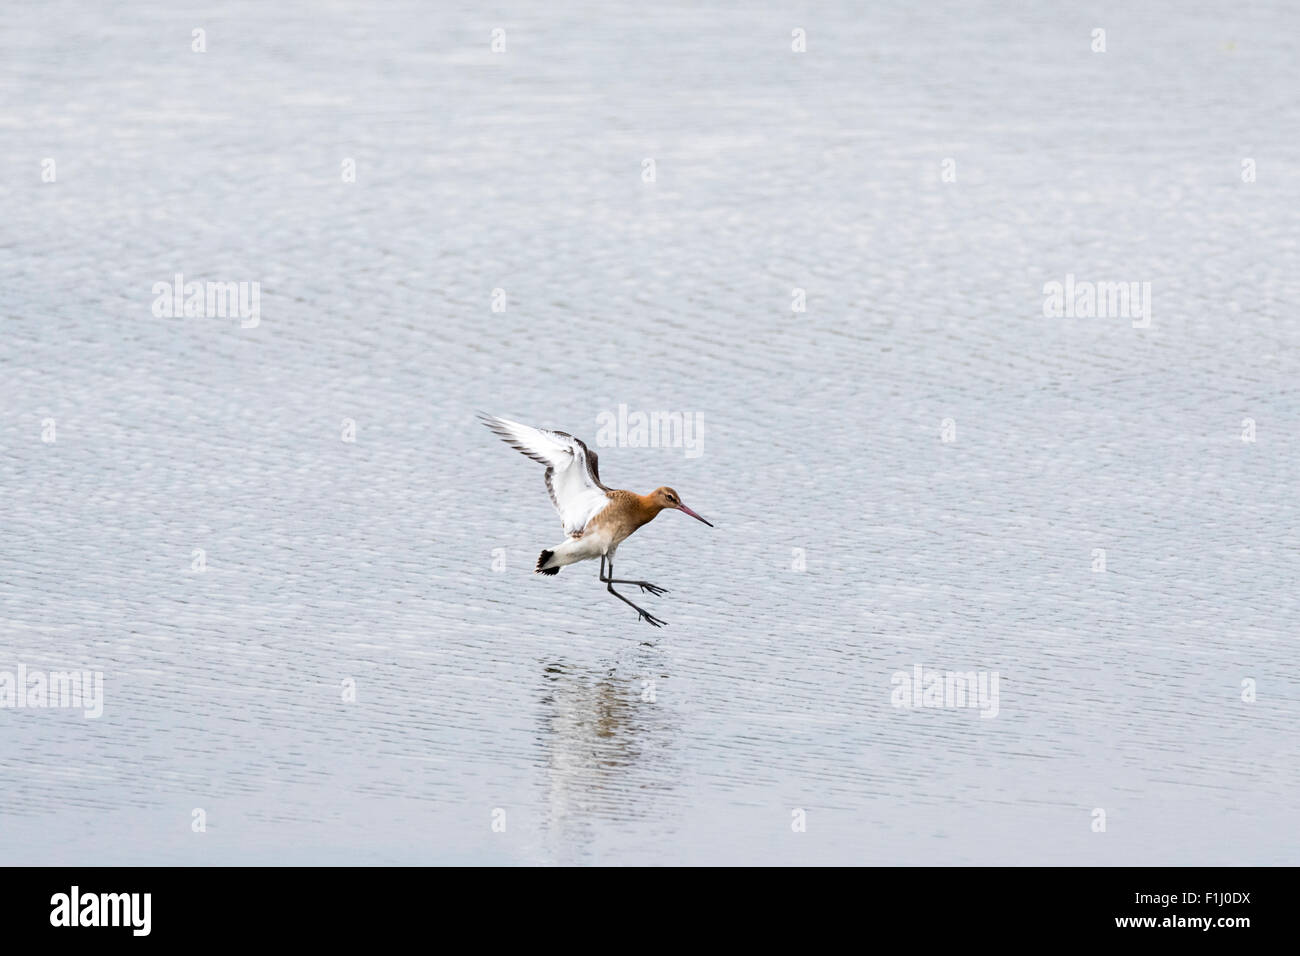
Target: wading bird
(596,518)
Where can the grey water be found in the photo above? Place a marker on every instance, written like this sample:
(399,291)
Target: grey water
(304,570)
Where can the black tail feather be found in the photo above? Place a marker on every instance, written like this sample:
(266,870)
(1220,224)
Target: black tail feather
(542,559)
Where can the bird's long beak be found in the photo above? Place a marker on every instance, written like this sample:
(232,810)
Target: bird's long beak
(693,514)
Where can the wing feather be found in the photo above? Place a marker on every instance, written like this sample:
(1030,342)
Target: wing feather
(572,469)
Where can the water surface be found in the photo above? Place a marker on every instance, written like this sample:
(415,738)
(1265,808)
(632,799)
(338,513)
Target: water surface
(372,561)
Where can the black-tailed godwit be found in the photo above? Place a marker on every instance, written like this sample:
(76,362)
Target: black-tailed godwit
(596,518)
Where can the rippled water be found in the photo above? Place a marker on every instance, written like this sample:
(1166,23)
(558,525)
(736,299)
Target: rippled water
(482,690)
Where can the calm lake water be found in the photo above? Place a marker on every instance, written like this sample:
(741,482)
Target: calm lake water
(918,470)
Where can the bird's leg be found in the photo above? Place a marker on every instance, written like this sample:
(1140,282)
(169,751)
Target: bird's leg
(654,589)
(609,586)
(643,585)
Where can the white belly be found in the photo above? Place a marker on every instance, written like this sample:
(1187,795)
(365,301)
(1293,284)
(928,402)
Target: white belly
(586,548)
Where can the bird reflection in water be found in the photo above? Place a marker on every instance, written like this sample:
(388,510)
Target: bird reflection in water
(608,749)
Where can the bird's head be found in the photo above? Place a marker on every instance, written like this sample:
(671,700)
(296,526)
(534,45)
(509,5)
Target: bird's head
(667,498)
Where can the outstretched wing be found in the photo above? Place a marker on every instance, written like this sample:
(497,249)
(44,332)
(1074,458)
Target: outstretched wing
(572,474)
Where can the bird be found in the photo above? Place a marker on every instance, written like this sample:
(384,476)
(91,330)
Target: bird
(596,518)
